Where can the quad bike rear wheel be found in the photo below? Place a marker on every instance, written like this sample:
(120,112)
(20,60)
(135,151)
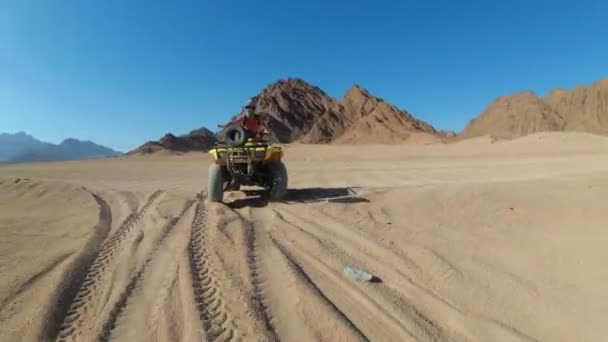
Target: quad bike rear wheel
(215,183)
(278,189)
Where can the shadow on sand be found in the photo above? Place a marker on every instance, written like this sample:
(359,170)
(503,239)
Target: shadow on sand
(376,280)
(258,198)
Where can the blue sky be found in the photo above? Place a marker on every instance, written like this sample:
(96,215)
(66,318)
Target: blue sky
(124,72)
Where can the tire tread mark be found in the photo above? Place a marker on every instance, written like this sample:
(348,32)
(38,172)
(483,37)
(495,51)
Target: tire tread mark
(327,243)
(217,324)
(297,268)
(259,307)
(76,275)
(110,323)
(86,288)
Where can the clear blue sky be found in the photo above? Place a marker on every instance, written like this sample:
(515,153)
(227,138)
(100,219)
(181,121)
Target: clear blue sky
(123,72)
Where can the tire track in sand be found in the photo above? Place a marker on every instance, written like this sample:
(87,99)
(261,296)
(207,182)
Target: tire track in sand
(294,307)
(255,269)
(320,256)
(411,300)
(75,276)
(217,323)
(88,290)
(133,283)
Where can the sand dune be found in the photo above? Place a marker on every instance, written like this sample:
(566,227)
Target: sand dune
(473,241)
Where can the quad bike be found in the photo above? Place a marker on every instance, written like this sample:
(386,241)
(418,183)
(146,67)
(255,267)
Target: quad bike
(242,161)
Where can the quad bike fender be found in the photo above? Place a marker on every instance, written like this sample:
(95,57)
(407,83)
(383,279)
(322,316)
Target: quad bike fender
(273,154)
(270,154)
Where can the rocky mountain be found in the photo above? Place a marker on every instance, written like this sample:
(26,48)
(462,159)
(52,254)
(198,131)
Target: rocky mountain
(292,108)
(582,109)
(298,111)
(516,115)
(200,139)
(372,120)
(21,147)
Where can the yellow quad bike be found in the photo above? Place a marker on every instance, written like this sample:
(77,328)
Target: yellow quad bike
(252,164)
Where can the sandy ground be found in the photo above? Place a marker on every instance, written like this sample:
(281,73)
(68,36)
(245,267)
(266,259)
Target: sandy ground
(474,241)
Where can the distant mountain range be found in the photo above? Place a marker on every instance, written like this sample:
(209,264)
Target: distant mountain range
(22,147)
(300,112)
(200,139)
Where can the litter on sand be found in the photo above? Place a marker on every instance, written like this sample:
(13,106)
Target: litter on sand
(357,274)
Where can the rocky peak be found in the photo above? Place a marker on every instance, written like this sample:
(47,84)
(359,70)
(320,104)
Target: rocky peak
(291,86)
(201,139)
(557,92)
(356,91)
(524,95)
(201,132)
(515,115)
(292,106)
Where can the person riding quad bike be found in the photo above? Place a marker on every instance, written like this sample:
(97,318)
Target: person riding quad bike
(247,132)
(251,121)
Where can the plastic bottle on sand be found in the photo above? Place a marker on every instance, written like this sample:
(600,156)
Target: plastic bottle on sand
(357,274)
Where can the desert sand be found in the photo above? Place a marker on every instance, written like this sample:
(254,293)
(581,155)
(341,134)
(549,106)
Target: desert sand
(478,240)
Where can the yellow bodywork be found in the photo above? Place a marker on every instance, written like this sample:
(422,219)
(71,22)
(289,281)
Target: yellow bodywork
(267,154)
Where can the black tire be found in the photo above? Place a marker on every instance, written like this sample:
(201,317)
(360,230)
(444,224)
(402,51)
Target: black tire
(280,182)
(236,187)
(215,183)
(235,136)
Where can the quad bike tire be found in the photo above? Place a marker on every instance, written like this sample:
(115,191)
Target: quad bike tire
(279,182)
(215,183)
(235,136)
(235,187)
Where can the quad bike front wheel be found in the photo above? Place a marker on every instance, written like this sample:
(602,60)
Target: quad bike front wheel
(278,189)
(215,183)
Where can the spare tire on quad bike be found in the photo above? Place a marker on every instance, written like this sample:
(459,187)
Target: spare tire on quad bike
(235,136)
